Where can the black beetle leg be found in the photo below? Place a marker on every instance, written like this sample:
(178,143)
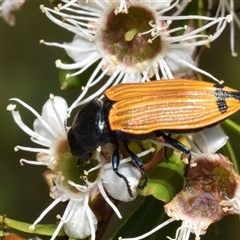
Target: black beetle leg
(138,163)
(81,176)
(115,164)
(176,144)
(165,150)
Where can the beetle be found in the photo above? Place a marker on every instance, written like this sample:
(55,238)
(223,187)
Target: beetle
(138,111)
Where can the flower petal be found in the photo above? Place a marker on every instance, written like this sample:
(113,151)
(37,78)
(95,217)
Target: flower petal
(81,49)
(172,60)
(79,225)
(210,140)
(8,7)
(54,113)
(113,183)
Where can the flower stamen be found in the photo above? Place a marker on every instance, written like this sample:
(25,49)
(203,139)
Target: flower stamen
(51,206)
(170,220)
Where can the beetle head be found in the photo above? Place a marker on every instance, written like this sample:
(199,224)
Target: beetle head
(90,129)
(76,147)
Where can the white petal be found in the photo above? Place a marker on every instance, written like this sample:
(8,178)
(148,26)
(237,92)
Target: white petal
(55,116)
(60,106)
(78,226)
(160,4)
(8,7)
(115,185)
(81,49)
(93,5)
(210,140)
(173,55)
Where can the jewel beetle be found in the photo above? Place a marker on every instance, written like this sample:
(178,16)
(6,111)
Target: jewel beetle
(138,111)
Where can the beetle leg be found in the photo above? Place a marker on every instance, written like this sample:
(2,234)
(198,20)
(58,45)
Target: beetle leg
(138,163)
(165,150)
(115,164)
(165,154)
(176,144)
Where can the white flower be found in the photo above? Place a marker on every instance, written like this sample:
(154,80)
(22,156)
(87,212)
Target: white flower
(111,182)
(63,178)
(223,196)
(223,7)
(219,9)
(209,140)
(7,7)
(130,41)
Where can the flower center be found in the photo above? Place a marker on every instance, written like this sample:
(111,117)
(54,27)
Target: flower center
(127,37)
(66,167)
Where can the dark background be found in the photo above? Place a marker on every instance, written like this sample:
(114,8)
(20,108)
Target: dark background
(28,72)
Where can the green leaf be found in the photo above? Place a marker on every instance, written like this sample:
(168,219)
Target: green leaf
(146,215)
(229,152)
(165,180)
(75,81)
(42,229)
(232,127)
(142,219)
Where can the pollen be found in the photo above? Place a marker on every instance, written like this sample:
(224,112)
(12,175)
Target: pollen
(169,22)
(35,135)
(56,9)
(193,164)
(32,227)
(114,60)
(42,8)
(229,18)
(185,160)
(58,63)
(11,107)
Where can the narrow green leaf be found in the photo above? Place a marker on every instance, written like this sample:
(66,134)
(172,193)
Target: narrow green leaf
(232,127)
(229,152)
(41,229)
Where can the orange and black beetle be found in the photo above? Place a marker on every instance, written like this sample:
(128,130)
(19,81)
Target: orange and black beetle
(136,111)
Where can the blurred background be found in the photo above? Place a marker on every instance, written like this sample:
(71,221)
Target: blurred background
(28,72)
